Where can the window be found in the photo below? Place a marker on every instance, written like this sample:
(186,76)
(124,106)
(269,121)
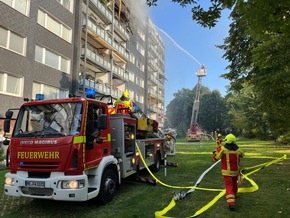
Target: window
(52,59)
(139,98)
(131,76)
(20,5)
(12,41)
(49,92)
(11,85)
(140,49)
(140,65)
(132,58)
(139,82)
(55,26)
(141,34)
(68,4)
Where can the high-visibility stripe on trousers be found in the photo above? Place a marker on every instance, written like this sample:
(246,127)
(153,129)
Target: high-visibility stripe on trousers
(231,189)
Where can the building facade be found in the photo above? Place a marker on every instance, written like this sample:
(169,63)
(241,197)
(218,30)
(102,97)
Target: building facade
(59,47)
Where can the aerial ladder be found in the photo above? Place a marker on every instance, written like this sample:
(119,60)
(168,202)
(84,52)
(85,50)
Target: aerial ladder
(194,131)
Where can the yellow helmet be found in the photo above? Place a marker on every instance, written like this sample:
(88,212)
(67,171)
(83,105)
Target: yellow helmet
(230,138)
(125,94)
(219,135)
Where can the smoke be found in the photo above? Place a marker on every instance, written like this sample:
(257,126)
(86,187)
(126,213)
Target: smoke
(138,8)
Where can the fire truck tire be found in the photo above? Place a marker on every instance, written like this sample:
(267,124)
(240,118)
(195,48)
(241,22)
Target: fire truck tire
(108,186)
(156,166)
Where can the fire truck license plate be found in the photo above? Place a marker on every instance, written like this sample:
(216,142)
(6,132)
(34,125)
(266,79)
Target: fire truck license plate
(36,184)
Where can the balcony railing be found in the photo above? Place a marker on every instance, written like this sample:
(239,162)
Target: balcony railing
(105,12)
(96,58)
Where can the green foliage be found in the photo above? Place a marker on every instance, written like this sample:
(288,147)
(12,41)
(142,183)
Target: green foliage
(205,17)
(257,49)
(212,110)
(2,157)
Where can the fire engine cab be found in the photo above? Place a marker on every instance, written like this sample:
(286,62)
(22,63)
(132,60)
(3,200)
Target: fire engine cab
(72,149)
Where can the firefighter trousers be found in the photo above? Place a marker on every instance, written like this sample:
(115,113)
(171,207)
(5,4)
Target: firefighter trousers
(231,189)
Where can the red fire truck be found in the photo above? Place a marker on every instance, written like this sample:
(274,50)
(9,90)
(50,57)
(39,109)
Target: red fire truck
(72,149)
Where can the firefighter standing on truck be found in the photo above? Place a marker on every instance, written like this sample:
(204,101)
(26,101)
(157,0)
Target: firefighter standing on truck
(230,155)
(123,104)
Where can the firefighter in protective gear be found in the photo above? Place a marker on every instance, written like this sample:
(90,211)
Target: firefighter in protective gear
(230,155)
(123,105)
(219,140)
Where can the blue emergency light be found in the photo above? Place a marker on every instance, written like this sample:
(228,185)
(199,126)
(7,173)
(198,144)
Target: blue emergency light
(91,93)
(39,97)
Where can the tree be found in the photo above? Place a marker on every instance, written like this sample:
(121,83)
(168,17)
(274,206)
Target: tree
(246,115)
(212,112)
(257,49)
(206,18)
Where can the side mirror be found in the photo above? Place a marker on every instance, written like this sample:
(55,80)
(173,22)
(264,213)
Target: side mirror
(9,114)
(102,121)
(7,125)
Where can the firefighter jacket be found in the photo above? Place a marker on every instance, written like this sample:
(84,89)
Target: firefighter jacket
(230,155)
(219,141)
(123,103)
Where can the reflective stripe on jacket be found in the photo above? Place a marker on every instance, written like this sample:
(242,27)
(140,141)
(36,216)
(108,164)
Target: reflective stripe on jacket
(230,158)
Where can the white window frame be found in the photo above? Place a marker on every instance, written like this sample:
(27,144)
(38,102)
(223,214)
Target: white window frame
(141,34)
(140,49)
(132,58)
(62,25)
(8,40)
(139,82)
(60,59)
(5,84)
(140,65)
(59,93)
(131,76)
(12,5)
(139,98)
(71,5)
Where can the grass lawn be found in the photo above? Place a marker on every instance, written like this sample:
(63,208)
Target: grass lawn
(142,200)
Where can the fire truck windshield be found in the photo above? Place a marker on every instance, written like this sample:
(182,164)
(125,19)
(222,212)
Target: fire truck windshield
(49,120)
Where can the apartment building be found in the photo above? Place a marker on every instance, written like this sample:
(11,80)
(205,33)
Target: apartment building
(59,47)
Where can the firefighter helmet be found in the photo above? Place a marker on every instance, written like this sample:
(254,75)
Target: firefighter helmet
(230,138)
(219,135)
(125,94)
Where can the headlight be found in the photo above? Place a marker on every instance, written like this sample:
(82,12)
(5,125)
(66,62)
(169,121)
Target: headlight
(73,184)
(9,181)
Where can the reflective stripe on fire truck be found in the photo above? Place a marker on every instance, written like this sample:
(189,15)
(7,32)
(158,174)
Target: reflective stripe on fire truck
(79,139)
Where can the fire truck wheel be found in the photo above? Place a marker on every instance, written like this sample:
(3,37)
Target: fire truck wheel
(108,186)
(156,166)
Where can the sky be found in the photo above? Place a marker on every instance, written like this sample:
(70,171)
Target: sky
(198,46)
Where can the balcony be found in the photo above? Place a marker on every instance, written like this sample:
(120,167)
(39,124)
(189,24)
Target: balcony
(122,32)
(118,71)
(96,59)
(153,79)
(102,11)
(153,64)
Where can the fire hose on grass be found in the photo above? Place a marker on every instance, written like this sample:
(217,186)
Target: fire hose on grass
(178,196)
